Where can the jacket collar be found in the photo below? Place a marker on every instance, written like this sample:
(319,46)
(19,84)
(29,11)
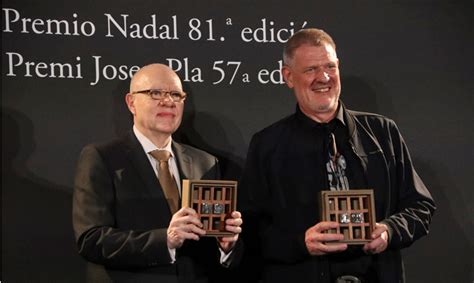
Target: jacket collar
(362,141)
(139,160)
(183,160)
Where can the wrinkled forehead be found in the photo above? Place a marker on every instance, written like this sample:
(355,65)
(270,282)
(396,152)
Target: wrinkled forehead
(307,52)
(324,49)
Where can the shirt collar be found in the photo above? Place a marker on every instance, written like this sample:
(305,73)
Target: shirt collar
(310,122)
(147,145)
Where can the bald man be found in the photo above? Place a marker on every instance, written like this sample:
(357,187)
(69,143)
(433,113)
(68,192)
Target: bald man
(124,225)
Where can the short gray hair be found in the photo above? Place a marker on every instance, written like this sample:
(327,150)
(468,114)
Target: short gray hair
(309,36)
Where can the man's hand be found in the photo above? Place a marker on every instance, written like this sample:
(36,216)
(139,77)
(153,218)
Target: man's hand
(379,241)
(232,225)
(318,243)
(184,225)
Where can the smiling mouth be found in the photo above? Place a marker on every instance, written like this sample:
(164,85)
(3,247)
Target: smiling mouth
(322,89)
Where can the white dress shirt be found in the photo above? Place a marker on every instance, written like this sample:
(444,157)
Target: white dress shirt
(148,147)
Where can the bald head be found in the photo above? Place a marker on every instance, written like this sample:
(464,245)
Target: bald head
(155,76)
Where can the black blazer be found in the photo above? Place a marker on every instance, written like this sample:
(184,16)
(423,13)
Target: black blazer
(120,215)
(279,202)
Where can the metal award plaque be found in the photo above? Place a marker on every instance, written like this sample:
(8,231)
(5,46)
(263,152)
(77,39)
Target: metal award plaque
(213,200)
(355,212)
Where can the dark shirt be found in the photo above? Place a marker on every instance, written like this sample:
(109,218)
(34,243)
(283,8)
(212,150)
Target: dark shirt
(284,173)
(353,261)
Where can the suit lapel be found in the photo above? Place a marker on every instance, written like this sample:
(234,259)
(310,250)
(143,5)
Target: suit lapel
(140,162)
(183,160)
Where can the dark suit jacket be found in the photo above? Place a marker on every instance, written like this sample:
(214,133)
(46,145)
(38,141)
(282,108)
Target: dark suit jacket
(120,215)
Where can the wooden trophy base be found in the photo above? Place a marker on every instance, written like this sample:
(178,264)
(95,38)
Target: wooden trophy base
(354,210)
(213,200)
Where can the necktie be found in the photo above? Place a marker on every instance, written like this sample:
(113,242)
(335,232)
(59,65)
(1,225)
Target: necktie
(167,181)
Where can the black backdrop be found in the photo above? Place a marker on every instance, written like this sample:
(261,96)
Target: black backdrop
(409,60)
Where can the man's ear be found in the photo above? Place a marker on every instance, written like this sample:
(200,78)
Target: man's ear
(287,76)
(130,100)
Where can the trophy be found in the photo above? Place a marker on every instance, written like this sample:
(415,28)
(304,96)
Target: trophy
(354,210)
(213,201)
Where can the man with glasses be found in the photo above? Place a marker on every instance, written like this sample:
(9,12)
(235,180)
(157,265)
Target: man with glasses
(126,215)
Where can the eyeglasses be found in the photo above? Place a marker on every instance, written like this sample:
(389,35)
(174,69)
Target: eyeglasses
(159,94)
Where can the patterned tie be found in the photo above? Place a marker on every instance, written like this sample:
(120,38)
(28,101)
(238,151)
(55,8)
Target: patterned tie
(167,181)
